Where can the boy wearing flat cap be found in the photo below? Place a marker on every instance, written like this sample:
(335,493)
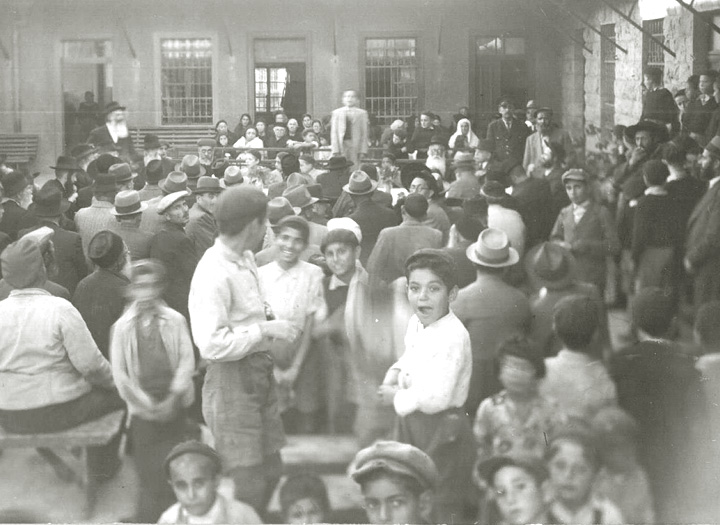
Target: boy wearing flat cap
(586,229)
(397,481)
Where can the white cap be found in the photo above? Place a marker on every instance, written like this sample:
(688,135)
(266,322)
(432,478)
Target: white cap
(169,200)
(345,223)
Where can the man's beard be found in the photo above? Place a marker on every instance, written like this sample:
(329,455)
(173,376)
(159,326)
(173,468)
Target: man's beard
(120,128)
(437,163)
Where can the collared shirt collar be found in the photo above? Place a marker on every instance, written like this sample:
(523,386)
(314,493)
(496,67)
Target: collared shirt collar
(713,181)
(241,259)
(160,310)
(584,205)
(656,190)
(29,291)
(336,283)
(116,274)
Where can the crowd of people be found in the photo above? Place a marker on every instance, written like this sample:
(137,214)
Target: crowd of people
(446,302)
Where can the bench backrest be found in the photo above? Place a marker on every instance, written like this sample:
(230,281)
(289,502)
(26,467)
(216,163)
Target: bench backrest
(182,139)
(19,148)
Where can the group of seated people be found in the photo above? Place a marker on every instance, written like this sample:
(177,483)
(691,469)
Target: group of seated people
(448,310)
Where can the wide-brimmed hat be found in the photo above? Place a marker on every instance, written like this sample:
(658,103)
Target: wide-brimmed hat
(493,190)
(360,183)
(104,182)
(175,181)
(315,191)
(13,183)
(122,172)
(279,208)
(493,250)
(66,163)
(168,200)
(299,197)
(48,201)
(463,159)
(128,203)
(414,170)
(338,163)
(218,167)
(151,141)
(549,265)
(208,185)
(232,176)
(191,166)
(112,106)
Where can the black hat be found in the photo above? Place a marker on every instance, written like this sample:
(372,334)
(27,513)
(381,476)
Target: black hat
(48,201)
(415,170)
(105,248)
(151,141)
(102,164)
(66,163)
(112,106)
(338,163)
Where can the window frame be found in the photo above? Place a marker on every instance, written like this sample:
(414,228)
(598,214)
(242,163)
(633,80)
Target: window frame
(648,45)
(215,62)
(362,77)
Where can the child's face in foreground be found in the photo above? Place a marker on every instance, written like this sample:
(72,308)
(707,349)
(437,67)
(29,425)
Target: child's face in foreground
(571,474)
(194,482)
(428,295)
(518,376)
(305,510)
(518,495)
(144,289)
(387,501)
(291,244)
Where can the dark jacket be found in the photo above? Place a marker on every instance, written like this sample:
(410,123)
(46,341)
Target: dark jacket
(100,137)
(698,115)
(12,219)
(702,246)
(660,106)
(507,143)
(420,141)
(100,299)
(332,183)
(68,255)
(372,219)
(177,252)
(466,272)
(534,202)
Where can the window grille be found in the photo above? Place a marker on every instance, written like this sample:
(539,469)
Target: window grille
(186,73)
(391,73)
(270,83)
(653,54)
(607,78)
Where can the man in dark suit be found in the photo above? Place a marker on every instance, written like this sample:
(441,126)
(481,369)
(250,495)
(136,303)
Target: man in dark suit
(18,191)
(100,297)
(175,250)
(114,135)
(369,215)
(47,210)
(699,111)
(702,248)
(659,104)
(507,134)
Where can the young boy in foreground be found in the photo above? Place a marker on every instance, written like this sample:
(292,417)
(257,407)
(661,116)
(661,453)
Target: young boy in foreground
(193,471)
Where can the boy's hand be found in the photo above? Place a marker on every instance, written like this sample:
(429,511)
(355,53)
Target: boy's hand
(284,330)
(387,394)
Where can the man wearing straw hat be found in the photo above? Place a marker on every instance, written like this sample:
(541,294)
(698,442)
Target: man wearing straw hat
(128,212)
(490,309)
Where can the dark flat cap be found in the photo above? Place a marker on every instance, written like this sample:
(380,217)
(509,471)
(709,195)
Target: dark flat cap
(398,458)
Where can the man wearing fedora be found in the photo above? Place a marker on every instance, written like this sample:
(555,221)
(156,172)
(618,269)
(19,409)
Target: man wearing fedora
(301,200)
(201,228)
(349,129)
(48,209)
(114,135)
(466,184)
(490,309)
(97,217)
(84,154)
(395,244)
(175,250)
(66,169)
(416,178)
(154,173)
(344,206)
(128,212)
(552,275)
(17,193)
(371,216)
(502,214)
(336,177)
(192,167)
(124,177)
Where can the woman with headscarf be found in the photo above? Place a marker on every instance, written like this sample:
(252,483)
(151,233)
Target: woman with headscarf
(464,129)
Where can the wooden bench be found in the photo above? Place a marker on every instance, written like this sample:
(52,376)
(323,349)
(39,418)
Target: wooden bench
(93,433)
(182,139)
(21,149)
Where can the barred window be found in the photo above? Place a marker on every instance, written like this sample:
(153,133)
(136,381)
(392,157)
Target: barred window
(653,55)
(607,78)
(186,73)
(391,78)
(270,83)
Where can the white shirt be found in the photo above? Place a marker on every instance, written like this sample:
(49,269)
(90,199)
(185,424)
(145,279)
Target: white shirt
(579,211)
(713,181)
(295,293)
(222,511)
(435,368)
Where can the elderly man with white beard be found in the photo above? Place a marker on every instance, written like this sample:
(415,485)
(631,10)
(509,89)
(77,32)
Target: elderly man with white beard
(114,135)
(436,156)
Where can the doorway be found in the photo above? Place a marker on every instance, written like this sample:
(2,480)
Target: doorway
(87,81)
(280,86)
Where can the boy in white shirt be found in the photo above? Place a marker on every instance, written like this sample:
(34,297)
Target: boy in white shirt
(428,385)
